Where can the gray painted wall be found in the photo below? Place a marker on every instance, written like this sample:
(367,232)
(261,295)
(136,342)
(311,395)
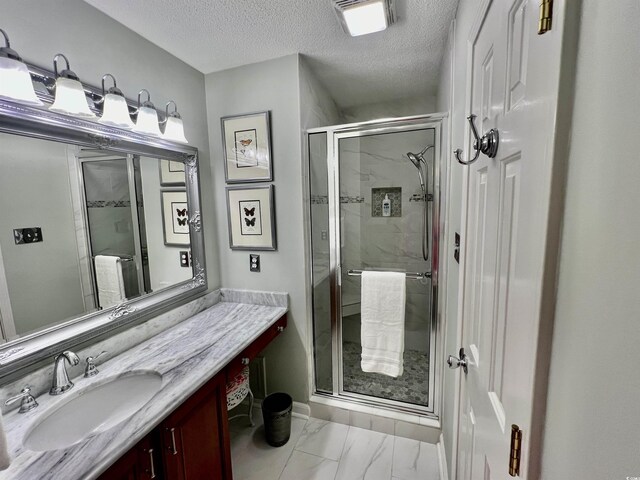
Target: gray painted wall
(273,86)
(286,88)
(96,44)
(34,192)
(592,420)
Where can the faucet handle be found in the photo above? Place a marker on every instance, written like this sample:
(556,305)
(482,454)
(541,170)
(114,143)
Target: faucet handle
(91,369)
(28,401)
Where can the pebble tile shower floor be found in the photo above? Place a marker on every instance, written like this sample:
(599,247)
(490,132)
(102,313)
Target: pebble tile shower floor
(412,387)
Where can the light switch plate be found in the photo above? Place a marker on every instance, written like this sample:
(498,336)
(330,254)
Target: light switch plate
(27,235)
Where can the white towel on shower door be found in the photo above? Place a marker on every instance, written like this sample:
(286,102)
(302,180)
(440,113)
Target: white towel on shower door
(110,281)
(382,322)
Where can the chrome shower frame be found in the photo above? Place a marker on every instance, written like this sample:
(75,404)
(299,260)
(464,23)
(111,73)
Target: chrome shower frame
(334,135)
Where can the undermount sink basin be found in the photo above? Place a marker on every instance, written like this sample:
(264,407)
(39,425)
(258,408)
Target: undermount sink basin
(92,410)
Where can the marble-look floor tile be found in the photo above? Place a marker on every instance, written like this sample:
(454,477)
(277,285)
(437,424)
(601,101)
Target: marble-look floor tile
(367,455)
(414,460)
(253,458)
(322,438)
(309,467)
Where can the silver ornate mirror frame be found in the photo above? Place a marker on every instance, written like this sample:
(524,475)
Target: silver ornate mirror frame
(40,123)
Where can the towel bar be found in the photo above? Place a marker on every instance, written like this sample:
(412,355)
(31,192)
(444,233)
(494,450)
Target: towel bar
(411,275)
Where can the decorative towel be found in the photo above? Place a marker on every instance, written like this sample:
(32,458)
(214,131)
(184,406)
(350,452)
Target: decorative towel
(110,281)
(5,459)
(382,324)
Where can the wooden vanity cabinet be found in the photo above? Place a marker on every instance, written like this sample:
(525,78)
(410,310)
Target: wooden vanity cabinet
(192,443)
(195,436)
(142,462)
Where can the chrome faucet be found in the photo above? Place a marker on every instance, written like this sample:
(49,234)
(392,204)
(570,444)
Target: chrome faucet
(61,382)
(27,401)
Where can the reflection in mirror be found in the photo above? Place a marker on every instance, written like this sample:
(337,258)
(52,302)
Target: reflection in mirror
(106,235)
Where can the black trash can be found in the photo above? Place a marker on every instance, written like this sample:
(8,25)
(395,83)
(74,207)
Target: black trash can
(276,412)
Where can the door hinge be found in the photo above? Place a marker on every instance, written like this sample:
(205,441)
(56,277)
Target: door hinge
(516,450)
(546,16)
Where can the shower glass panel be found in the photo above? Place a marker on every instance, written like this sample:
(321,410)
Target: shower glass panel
(372,168)
(318,186)
(112,229)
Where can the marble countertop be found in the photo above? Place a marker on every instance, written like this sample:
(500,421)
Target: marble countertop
(187,356)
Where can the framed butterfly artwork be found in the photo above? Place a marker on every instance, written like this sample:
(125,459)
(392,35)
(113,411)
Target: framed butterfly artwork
(246,144)
(252,220)
(175,218)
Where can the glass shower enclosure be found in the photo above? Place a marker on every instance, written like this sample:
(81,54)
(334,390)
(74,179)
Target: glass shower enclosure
(373,207)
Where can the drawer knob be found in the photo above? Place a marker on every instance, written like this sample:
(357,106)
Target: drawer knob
(244,361)
(280,329)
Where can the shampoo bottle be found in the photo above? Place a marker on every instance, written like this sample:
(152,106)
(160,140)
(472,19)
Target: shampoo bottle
(386,206)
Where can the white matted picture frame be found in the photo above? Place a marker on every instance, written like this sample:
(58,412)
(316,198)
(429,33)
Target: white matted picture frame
(175,218)
(171,173)
(252,218)
(246,145)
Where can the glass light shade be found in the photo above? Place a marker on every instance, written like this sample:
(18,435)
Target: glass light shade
(116,112)
(147,122)
(71,99)
(15,82)
(174,130)
(366,18)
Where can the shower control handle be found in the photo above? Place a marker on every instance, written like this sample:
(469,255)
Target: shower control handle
(461,361)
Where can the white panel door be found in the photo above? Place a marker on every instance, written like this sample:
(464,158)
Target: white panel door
(512,87)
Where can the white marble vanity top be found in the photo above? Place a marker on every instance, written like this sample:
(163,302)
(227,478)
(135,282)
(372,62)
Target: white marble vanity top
(187,356)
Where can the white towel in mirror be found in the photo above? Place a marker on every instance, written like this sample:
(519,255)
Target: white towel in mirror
(110,280)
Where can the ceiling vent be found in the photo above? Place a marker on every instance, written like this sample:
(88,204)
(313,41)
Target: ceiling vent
(361,17)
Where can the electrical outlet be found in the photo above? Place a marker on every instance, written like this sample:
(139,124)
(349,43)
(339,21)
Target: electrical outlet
(254,262)
(184,258)
(27,235)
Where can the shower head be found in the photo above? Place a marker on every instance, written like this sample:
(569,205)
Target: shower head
(418,159)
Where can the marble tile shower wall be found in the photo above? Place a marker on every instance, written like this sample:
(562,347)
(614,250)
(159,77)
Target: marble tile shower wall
(392,243)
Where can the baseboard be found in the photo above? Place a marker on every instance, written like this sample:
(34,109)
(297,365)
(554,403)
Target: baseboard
(442,459)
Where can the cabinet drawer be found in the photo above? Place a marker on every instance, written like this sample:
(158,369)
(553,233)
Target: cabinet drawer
(238,363)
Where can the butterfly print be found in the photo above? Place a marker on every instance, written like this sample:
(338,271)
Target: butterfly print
(181,213)
(250,223)
(246,143)
(250,212)
(182,221)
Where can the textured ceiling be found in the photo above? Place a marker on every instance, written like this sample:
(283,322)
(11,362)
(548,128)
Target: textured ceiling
(213,35)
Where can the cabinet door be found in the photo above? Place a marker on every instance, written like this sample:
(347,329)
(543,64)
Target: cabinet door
(142,462)
(195,436)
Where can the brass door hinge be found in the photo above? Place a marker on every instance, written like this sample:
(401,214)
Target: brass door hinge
(546,16)
(516,450)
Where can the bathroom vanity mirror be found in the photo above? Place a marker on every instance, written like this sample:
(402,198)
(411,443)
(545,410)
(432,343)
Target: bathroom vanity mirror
(98,227)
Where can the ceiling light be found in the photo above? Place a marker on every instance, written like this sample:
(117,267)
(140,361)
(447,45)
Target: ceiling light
(115,111)
(70,96)
(361,17)
(173,128)
(147,121)
(15,79)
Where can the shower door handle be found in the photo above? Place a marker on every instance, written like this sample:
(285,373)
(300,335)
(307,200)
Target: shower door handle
(455,362)
(487,144)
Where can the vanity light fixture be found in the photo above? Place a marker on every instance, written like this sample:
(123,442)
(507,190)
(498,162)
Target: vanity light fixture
(70,97)
(147,121)
(361,17)
(115,111)
(15,79)
(173,126)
